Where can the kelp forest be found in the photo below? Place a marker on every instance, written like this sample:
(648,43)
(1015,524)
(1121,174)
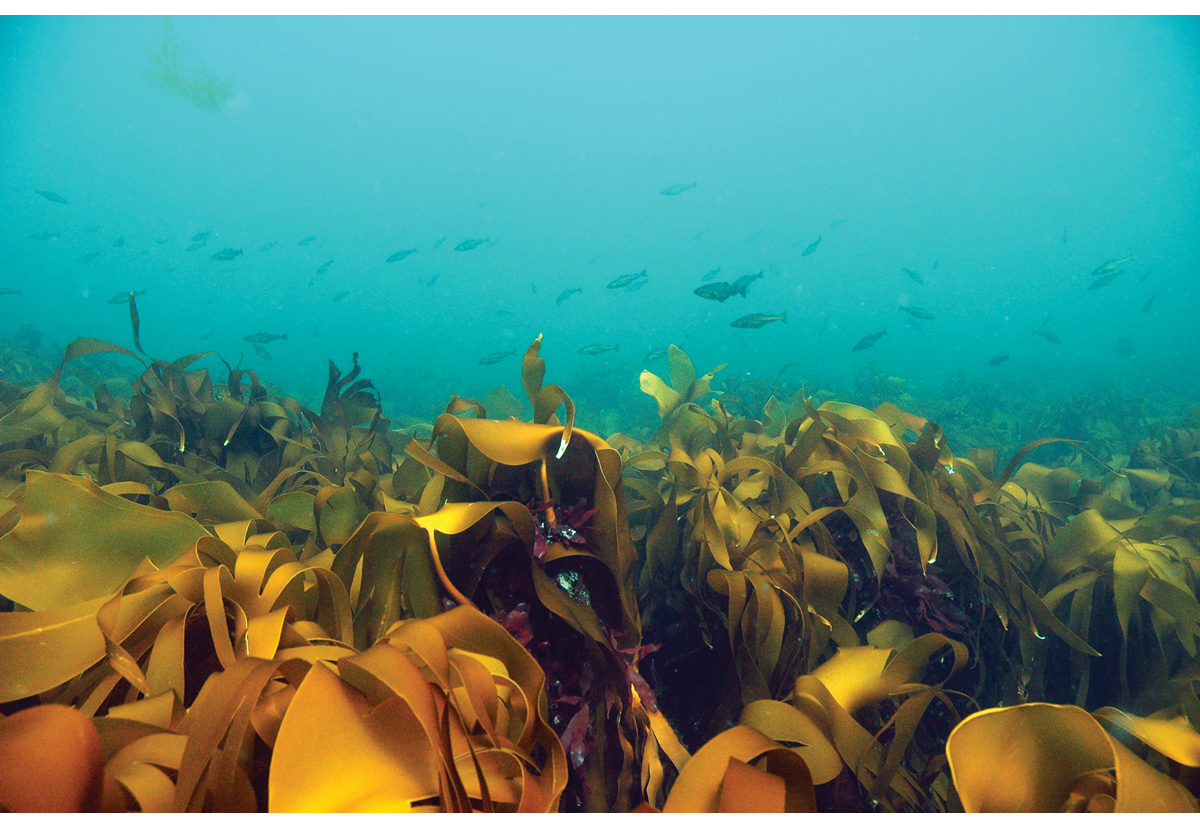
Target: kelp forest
(216,598)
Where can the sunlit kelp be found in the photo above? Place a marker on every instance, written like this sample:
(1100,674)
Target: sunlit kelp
(198,84)
(506,615)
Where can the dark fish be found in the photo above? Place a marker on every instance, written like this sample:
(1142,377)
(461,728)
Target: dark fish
(202,237)
(996,360)
(712,274)
(533,287)
(432,279)
(868,341)
(9,291)
(471,244)
(743,282)
(595,258)
(492,359)
(1111,265)
(324,267)
(811,248)
(87,257)
(1126,347)
(837,221)
(656,354)
(719,291)
(912,274)
(1149,303)
(438,243)
(207,336)
(1105,280)
(45,235)
(626,280)
(120,242)
(919,313)
(194,246)
(676,189)
(228,254)
(593,350)
(261,351)
(1144,276)
(263,338)
(49,196)
(307,240)
(567,294)
(1049,337)
(757,320)
(339,296)
(123,297)
(267,247)
(400,255)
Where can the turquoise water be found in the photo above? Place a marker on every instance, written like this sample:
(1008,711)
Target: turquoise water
(1004,160)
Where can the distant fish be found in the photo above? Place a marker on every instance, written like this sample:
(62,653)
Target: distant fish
(595,258)
(596,349)
(919,313)
(207,336)
(307,240)
(438,243)
(471,244)
(837,221)
(267,247)
(492,359)
(808,251)
(1105,280)
(123,297)
(194,246)
(996,360)
(49,196)
(626,280)
(261,351)
(1149,303)
(1064,235)
(226,255)
(699,235)
(757,320)
(868,341)
(712,274)
(1126,347)
(567,294)
(88,257)
(719,291)
(400,255)
(120,242)
(339,296)
(1111,265)
(324,267)
(161,240)
(263,338)
(44,235)
(676,189)
(9,291)
(912,274)
(1144,276)
(202,237)
(533,287)
(1048,336)
(743,282)
(432,279)
(656,354)
(92,228)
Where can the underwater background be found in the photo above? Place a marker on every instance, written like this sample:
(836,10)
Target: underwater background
(1002,159)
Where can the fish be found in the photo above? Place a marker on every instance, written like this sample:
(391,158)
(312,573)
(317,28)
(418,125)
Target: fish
(45,235)
(120,242)
(49,196)
(432,279)
(912,274)
(567,294)
(656,354)
(87,257)
(264,338)
(123,297)
(161,240)
(400,255)
(1064,235)
(92,228)
(261,351)
(868,341)
(757,320)
(712,274)
(837,221)
(1145,276)
(324,267)
(1105,280)
(339,296)
(438,243)
(699,235)
(1111,265)
(1149,303)
(9,291)
(743,282)
(626,280)
(811,248)
(1126,347)
(919,313)
(267,247)
(201,237)
(996,360)
(226,255)
(207,336)
(676,189)
(719,291)
(597,348)
(1048,336)
(471,244)
(492,359)
(307,240)
(595,258)
(194,246)
(533,287)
